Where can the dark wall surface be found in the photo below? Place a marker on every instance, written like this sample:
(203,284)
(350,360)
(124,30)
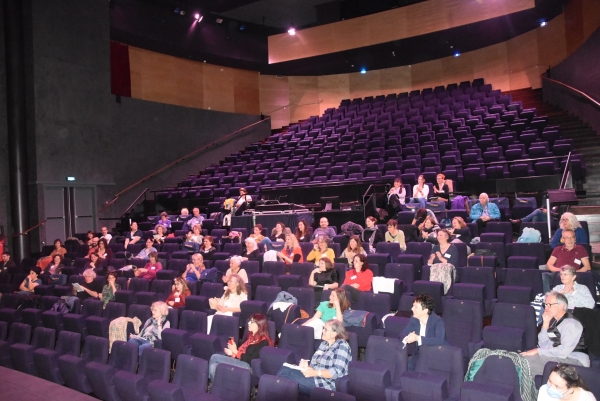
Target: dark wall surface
(77,128)
(580,70)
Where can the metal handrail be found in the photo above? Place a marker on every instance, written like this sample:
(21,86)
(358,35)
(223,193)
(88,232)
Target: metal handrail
(160,170)
(566,173)
(513,161)
(26,231)
(134,202)
(293,104)
(591,99)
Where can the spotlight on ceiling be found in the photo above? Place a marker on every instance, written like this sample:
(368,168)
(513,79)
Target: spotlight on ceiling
(292,31)
(363,71)
(219,20)
(543,23)
(198,17)
(457,54)
(179,11)
(242,27)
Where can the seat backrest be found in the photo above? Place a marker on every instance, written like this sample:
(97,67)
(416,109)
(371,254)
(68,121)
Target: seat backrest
(193,322)
(379,304)
(114,310)
(480,275)
(124,356)
(191,372)
(305,297)
(161,287)
(517,316)
(68,343)
(142,312)
(212,290)
(225,326)
(389,352)
(231,383)
(20,333)
(91,307)
(95,349)
(463,321)
(155,364)
(298,339)
(266,293)
(401,271)
(277,388)
(274,268)
(43,338)
(443,361)
(499,371)
(525,278)
(138,284)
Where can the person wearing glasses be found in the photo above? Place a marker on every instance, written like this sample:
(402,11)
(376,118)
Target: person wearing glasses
(328,363)
(578,295)
(568,221)
(560,339)
(568,254)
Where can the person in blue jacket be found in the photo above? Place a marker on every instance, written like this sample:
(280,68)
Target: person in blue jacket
(569,221)
(483,212)
(424,327)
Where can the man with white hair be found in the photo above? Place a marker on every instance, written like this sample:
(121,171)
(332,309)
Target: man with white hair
(483,212)
(560,339)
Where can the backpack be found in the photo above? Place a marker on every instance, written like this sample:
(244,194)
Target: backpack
(530,235)
(488,252)
(349,229)
(459,202)
(60,306)
(212,275)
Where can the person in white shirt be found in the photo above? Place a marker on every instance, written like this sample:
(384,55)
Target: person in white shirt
(421,191)
(106,235)
(242,203)
(396,198)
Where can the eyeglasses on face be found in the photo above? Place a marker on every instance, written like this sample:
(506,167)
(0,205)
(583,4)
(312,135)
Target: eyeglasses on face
(548,305)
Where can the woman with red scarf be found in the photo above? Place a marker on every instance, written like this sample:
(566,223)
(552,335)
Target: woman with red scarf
(258,337)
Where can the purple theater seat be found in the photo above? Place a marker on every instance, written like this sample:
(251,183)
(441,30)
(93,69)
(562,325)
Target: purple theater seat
(391,248)
(19,333)
(176,341)
(463,322)
(98,326)
(123,357)
(231,383)
(523,279)
(431,288)
(401,271)
(72,368)
(303,270)
(76,322)
(298,339)
(193,321)
(21,355)
(513,328)
(499,377)
(270,361)
(277,388)
(369,381)
(46,360)
(305,297)
(155,364)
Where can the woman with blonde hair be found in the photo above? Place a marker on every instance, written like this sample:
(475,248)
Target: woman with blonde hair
(234,295)
(569,221)
(152,329)
(291,251)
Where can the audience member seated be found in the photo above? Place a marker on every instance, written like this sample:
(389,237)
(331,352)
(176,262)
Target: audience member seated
(251,252)
(164,220)
(483,212)
(441,189)
(184,215)
(443,261)
(145,253)
(424,327)
(568,254)
(257,233)
(277,233)
(560,338)
(193,271)
(327,310)
(152,329)
(28,285)
(194,238)
(291,251)
(242,202)
(196,219)
(421,191)
(91,241)
(133,236)
(396,198)
(371,233)
(324,277)
(110,289)
(258,337)
(54,271)
(160,232)
(95,264)
(324,230)
(103,251)
(395,235)
(429,231)
(565,384)
(360,279)
(538,215)
(207,248)
(578,295)
(569,221)
(152,267)
(235,268)
(105,235)
(302,232)
(229,303)
(91,288)
(354,248)
(180,292)
(420,215)
(460,232)
(327,364)
(59,249)
(321,250)
(6,263)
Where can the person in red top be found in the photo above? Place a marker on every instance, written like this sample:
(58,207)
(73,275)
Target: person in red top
(152,267)
(360,279)
(568,254)
(180,292)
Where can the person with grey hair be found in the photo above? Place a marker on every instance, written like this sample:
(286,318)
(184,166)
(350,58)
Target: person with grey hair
(560,339)
(569,221)
(152,329)
(578,295)
(235,267)
(484,212)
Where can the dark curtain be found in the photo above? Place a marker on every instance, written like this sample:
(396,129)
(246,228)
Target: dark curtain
(120,77)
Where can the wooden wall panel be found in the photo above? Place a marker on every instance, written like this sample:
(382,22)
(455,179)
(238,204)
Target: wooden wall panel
(492,63)
(552,43)
(333,88)
(274,93)
(523,61)
(362,85)
(396,24)
(246,92)
(303,90)
(218,88)
(395,79)
(427,74)
(591,17)
(573,11)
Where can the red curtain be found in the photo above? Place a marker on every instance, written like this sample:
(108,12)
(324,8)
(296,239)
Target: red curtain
(120,76)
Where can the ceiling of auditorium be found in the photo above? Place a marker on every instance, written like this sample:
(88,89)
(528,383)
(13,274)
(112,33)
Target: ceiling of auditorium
(239,40)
